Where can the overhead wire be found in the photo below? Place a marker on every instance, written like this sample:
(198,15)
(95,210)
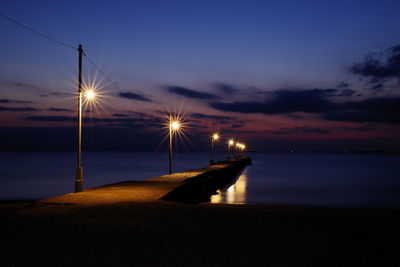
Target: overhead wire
(101,72)
(37,32)
(66,45)
(108,79)
(49,38)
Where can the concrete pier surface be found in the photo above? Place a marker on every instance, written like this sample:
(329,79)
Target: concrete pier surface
(156,188)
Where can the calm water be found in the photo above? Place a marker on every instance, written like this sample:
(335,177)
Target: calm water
(351,180)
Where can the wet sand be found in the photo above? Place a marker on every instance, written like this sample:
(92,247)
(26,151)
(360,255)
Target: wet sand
(161,233)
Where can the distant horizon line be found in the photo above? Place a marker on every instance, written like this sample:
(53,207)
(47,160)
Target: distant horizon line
(314,151)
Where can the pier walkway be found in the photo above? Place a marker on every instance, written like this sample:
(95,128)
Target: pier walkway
(155,188)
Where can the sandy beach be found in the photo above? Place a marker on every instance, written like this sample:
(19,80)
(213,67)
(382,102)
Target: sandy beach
(161,233)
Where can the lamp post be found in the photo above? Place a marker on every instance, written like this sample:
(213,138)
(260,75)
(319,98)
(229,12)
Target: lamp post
(214,138)
(243,147)
(79,169)
(90,95)
(174,125)
(230,144)
(238,145)
(240,149)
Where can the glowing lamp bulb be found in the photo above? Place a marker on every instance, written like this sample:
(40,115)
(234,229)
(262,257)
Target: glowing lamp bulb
(231,142)
(215,137)
(175,125)
(90,94)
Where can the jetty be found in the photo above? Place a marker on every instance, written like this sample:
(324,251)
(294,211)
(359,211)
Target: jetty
(191,186)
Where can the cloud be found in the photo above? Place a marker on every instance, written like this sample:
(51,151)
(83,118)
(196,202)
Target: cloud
(217,120)
(378,104)
(134,96)
(378,69)
(59,109)
(378,110)
(120,115)
(225,88)
(365,128)
(7,101)
(364,116)
(285,101)
(56,94)
(299,130)
(115,122)
(238,124)
(18,109)
(346,92)
(26,85)
(213,117)
(132,113)
(61,93)
(377,87)
(241,107)
(139,114)
(50,118)
(191,93)
(343,85)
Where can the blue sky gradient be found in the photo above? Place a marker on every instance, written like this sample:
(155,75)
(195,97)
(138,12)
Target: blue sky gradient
(257,48)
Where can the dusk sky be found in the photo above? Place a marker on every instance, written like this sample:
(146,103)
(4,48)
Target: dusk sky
(279,75)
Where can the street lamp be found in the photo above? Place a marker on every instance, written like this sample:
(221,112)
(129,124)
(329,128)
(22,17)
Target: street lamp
(243,147)
(240,148)
(174,126)
(238,145)
(90,96)
(230,144)
(214,138)
(79,169)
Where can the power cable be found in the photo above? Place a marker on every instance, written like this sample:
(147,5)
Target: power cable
(66,45)
(108,79)
(36,32)
(101,72)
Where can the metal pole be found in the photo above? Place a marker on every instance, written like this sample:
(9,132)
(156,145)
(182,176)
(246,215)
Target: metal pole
(170,144)
(212,151)
(79,169)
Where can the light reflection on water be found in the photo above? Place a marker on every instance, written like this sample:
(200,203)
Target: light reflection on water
(234,194)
